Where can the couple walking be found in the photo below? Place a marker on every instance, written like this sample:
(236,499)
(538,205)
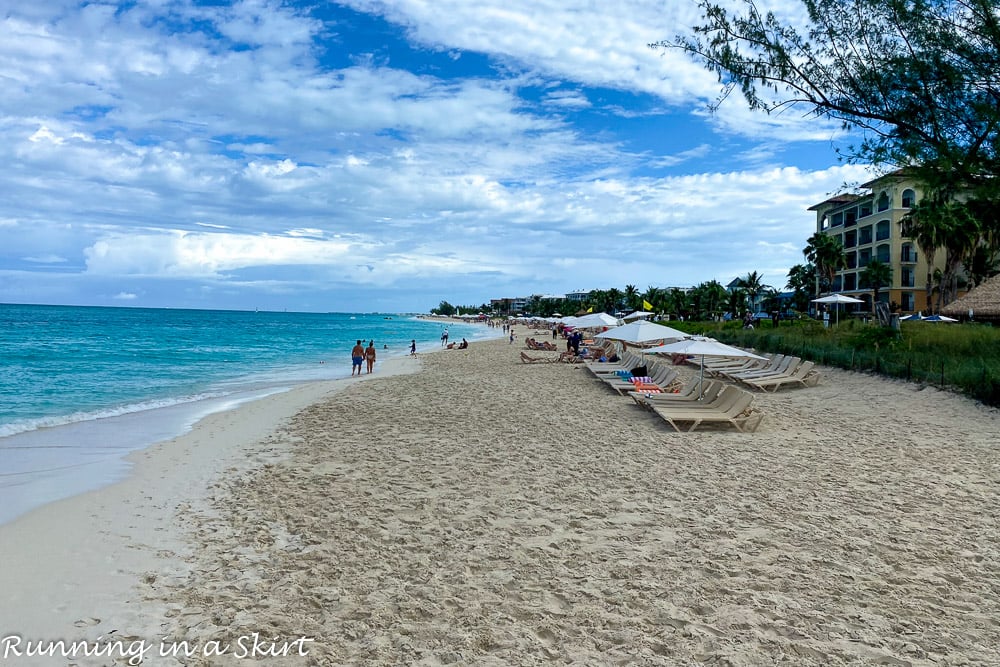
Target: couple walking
(359,354)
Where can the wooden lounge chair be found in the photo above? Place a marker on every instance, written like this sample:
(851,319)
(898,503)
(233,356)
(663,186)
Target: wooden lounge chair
(659,381)
(784,367)
(690,395)
(738,412)
(805,375)
(526,359)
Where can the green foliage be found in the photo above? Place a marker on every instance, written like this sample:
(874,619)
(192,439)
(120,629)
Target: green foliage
(444,308)
(963,357)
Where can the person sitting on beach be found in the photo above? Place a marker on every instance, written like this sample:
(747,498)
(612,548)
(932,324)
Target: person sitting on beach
(464,344)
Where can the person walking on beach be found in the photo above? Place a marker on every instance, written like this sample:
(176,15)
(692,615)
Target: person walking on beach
(370,356)
(357,356)
(413,348)
(444,338)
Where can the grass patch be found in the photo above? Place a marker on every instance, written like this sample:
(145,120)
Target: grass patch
(962,357)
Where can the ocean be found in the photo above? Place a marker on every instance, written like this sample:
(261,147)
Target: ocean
(81,387)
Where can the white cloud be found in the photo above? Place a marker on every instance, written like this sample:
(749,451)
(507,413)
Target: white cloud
(46,259)
(155,154)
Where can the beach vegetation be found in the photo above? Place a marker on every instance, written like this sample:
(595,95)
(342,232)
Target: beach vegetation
(826,254)
(958,357)
(875,276)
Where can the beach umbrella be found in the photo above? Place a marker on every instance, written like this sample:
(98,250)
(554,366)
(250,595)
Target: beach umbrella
(594,321)
(701,346)
(907,318)
(704,347)
(939,318)
(642,332)
(837,299)
(637,315)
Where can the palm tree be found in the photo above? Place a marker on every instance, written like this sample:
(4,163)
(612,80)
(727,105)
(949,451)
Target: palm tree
(708,299)
(737,302)
(655,296)
(754,285)
(827,254)
(614,300)
(631,297)
(677,301)
(802,280)
(876,276)
(926,229)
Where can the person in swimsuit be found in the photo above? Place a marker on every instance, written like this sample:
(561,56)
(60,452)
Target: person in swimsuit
(357,356)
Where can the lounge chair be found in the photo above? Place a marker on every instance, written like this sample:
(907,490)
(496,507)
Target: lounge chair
(691,394)
(805,375)
(526,359)
(784,367)
(660,381)
(736,410)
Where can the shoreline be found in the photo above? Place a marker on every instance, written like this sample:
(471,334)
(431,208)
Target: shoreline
(485,511)
(89,551)
(49,463)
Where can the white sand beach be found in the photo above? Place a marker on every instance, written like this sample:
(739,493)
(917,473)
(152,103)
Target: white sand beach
(483,511)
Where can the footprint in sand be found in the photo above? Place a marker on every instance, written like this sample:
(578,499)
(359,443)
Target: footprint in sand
(86,622)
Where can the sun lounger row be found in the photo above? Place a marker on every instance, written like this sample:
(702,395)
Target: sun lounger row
(660,380)
(733,406)
(777,371)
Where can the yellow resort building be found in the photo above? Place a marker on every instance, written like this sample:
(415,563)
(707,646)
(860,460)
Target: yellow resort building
(868,226)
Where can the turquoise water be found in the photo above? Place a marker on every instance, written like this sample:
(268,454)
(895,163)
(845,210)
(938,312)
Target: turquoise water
(80,387)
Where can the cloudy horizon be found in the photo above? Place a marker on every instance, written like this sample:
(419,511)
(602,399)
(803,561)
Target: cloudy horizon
(377,155)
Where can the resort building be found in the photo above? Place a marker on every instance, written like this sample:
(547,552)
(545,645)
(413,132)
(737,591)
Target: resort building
(868,226)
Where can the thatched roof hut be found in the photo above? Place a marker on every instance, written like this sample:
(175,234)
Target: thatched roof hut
(983,300)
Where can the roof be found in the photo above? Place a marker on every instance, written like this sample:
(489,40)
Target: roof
(835,201)
(984,300)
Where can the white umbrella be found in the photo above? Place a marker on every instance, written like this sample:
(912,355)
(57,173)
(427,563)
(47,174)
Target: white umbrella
(642,332)
(939,318)
(704,347)
(837,299)
(637,315)
(594,320)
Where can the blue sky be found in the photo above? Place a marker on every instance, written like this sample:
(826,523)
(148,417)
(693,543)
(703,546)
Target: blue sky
(384,155)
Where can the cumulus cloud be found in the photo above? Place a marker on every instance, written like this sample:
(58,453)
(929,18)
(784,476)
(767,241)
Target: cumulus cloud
(498,146)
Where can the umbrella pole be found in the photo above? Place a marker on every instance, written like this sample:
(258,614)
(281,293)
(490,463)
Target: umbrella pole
(701,382)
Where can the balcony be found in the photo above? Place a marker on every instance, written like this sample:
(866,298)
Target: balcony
(908,257)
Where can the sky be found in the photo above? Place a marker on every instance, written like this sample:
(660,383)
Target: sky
(385,155)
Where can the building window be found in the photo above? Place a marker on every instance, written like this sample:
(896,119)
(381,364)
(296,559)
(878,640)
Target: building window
(882,230)
(852,259)
(838,219)
(850,281)
(883,253)
(865,210)
(866,235)
(836,284)
(864,258)
(907,301)
(908,254)
(850,239)
(906,277)
(850,217)
(883,202)
(909,198)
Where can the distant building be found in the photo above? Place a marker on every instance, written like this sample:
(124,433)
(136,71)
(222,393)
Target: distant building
(868,226)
